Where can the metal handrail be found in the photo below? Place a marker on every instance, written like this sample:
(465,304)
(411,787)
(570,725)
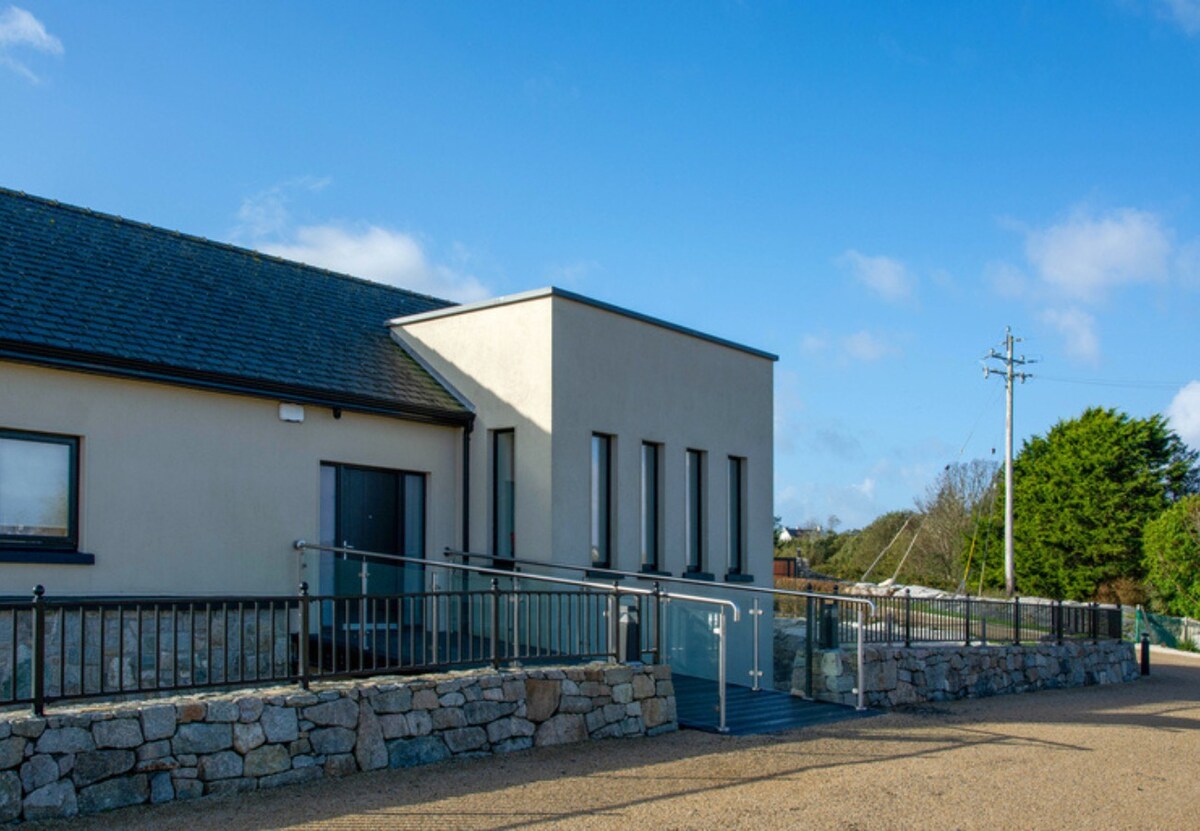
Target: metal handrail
(861,603)
(723,604)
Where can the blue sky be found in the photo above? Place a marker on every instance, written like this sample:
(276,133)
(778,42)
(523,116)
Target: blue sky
(871,191)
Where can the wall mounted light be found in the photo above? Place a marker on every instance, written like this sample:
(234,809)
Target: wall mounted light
(291,412)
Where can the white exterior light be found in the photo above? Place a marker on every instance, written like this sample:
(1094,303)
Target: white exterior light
(291,412)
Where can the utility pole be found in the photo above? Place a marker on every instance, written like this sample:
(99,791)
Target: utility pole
(1009,361)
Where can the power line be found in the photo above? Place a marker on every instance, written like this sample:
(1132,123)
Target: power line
(1102,382)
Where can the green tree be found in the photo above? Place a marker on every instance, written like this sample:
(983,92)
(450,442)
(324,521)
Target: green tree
(1082,495)
(1171,545)
(860,549)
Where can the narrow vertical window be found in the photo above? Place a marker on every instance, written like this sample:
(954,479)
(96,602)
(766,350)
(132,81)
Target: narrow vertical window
(602,500)
(504,532)
(694,529)
(737,515)
(651,506)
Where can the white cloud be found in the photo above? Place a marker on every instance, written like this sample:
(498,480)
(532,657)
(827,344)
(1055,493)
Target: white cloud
(863,346)
(379,254)
(1187,265)
(1006,280)
(813,344)
(1078,328)
(571,275)
(886,277)
(1184,414)
(1184,13)
(373,252)
(1086,255)
(866,487)
(20,29)
(266,212)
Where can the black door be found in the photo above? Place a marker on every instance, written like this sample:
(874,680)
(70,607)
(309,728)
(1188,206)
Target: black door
(381,511)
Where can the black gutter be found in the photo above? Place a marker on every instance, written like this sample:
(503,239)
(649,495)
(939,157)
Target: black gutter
(466,486)
(95,364)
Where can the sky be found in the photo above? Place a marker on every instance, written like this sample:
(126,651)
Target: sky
(871,191)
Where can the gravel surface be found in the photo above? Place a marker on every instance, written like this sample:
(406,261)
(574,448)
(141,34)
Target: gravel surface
(1121,756)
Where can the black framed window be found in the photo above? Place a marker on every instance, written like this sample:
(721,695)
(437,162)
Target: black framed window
(651,505)
(504,516)
(737,515)
(602,493)
(694,525)
(39,491)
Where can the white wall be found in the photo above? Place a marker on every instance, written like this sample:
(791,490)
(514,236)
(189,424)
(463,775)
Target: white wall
(559,370)
(499,359)
(640,382)
(190,492)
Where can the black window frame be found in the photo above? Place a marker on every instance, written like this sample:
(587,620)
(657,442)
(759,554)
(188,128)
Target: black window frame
(736,543)
(498,558)
(608,443)
(695,567)
(30,544)
(652,511)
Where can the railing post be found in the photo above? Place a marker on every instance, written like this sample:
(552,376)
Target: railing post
(967,623)
(907,618)
(614,623)
(659,655)
(755,673)
(810,634)
(37,662)
(302,636)
(721,728)
(1095,622)
(514,649)
(1016,619)
(862,693)
(1058,622)
(495,639)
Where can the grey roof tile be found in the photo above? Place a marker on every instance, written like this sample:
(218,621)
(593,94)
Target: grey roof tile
(120,291)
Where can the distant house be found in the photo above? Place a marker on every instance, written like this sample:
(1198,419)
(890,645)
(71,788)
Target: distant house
(176,411)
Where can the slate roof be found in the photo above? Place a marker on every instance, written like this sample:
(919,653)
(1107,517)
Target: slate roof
(96,292)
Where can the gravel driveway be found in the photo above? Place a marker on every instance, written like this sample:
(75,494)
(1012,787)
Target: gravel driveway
(1122,756)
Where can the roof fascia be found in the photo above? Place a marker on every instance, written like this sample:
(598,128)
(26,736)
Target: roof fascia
(552,291)
(57,358)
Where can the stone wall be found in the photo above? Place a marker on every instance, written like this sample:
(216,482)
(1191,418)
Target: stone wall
(896,675)
(88,759)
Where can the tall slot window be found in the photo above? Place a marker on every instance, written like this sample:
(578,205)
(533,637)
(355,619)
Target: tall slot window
(694,528)
(39,491)
(651,505)
(737,515)
(504,534)
(602,487)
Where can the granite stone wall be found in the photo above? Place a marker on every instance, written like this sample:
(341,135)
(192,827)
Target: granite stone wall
(85,759)
(895,675)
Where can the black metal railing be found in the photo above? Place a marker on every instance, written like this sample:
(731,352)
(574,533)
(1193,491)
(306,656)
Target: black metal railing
(904,619)
(72,649)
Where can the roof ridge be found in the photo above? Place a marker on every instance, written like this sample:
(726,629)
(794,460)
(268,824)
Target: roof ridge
(228,246)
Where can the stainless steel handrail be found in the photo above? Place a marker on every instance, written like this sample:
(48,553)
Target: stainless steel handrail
(722,603)
(861,603)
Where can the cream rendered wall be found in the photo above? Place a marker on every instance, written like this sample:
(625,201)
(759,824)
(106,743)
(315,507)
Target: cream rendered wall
(190,492)
(499,358)
(559,370)
(642,382)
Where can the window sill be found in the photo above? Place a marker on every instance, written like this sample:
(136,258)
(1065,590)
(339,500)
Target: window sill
(739,578)
(699,575)
(653,572)
(601,573)
(43,557)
